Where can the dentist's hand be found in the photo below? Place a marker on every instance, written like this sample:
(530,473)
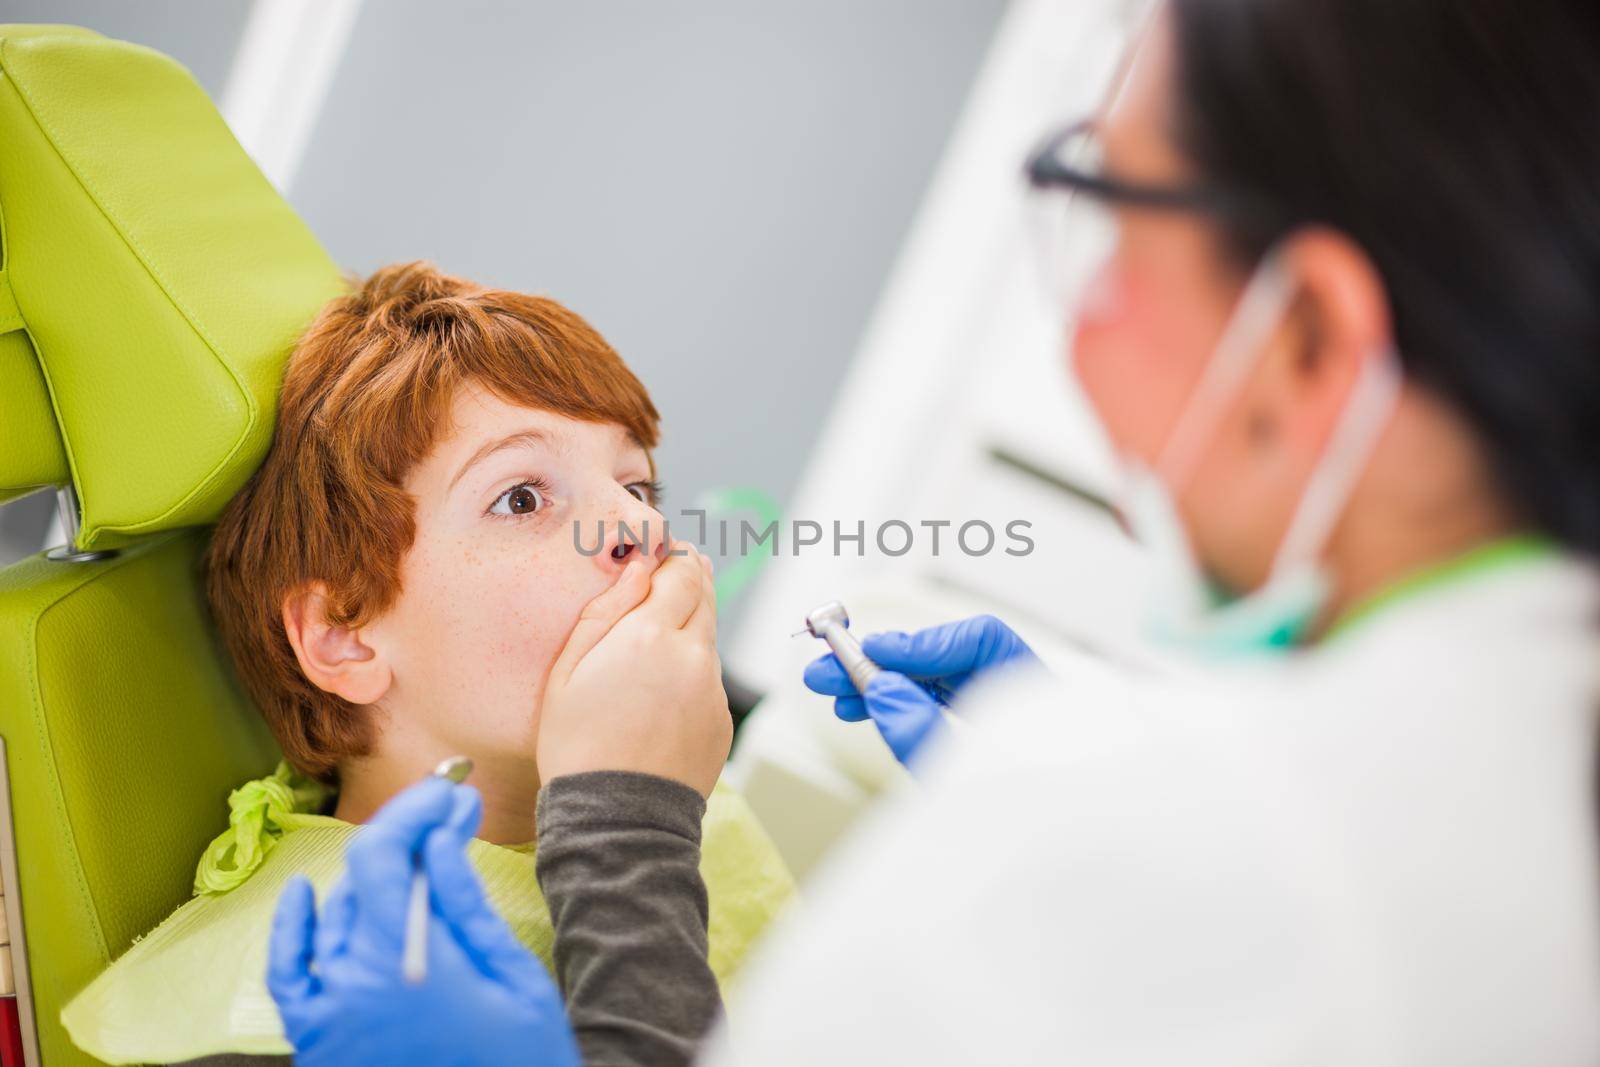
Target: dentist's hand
(638,686)
(337,981)
(944,658)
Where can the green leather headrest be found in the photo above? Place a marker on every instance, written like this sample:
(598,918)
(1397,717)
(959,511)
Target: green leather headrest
(160,279)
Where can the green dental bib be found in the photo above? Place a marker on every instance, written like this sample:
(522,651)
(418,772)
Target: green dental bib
(195,986)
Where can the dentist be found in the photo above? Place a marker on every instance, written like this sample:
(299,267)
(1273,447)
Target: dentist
(1344,328)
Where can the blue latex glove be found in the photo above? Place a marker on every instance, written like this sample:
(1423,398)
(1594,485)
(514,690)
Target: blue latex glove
(486,999)
(904,699)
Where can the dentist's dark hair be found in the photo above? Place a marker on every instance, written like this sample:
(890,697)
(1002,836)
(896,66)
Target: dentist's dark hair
(1458,143)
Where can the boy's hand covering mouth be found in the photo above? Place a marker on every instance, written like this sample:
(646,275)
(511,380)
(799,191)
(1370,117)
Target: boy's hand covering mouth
(638,686)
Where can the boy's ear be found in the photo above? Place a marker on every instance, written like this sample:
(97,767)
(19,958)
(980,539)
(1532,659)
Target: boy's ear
(333,658)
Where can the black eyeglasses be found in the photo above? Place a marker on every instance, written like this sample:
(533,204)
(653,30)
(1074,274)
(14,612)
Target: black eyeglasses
(1074,159)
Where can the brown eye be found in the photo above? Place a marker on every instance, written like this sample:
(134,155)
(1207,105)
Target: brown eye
(522,499)
(648,493)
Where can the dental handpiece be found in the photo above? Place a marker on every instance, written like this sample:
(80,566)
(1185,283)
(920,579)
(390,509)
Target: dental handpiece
(414,960)
(832,623)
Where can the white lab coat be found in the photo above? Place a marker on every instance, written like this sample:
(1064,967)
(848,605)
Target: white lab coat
(1380,852)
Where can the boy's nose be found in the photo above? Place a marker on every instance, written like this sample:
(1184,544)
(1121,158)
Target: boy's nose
(628,531)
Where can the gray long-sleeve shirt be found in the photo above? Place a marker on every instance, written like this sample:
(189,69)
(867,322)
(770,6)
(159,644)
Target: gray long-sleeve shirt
(619,864)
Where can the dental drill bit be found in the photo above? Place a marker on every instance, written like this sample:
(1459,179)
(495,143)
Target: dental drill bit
(414,960)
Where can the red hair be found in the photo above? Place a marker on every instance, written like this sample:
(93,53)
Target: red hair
(368,389)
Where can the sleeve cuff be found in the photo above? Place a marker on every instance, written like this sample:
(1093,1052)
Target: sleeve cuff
(611,799)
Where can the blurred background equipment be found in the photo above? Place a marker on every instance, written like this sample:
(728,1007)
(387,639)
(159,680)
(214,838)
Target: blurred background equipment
(946,414)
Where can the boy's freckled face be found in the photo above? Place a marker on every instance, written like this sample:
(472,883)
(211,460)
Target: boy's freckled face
(493,582)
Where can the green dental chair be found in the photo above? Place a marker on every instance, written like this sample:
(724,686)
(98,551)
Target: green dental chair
(151,286)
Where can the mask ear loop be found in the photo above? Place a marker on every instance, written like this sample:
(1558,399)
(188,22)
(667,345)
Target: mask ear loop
(1367,413)
(1260,309)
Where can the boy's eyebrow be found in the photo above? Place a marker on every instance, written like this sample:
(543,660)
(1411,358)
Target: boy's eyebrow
(489,448)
